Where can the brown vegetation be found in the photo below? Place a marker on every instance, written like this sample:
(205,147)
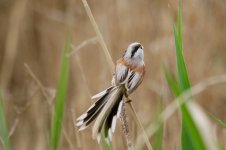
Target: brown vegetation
(33,33)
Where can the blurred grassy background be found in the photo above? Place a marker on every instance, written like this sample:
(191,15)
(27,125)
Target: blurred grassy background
(33,32)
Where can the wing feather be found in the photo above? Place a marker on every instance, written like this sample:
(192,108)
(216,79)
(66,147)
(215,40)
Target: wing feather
(134,81)
(121,73)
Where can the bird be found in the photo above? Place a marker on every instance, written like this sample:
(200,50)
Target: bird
(129,74)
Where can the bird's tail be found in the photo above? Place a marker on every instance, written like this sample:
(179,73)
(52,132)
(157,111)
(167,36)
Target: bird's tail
(105,110)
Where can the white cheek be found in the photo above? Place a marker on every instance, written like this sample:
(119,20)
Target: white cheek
(140,54)
(128,53)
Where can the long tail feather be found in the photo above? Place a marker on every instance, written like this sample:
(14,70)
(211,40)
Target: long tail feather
(101,94)
(105,110)
(110,122)
(85,119)
(108,112)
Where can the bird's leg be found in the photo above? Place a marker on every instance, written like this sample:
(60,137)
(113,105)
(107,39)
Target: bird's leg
(128,99)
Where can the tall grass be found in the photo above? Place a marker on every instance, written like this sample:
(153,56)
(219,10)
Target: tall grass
(188,127)
(60,97)
(158,137)
(191,136)
(4,135)
(218,121)
(37,51)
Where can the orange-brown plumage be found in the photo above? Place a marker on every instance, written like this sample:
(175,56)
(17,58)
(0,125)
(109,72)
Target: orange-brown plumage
(139,69)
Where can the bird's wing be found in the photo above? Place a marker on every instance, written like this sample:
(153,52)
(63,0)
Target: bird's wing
(135,78)
(121,73)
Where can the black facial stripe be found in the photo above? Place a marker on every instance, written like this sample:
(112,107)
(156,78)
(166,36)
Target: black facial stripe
(135,50)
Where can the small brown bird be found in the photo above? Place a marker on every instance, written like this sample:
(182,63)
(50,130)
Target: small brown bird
(129,73)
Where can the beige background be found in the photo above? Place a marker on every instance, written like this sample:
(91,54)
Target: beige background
(33,32)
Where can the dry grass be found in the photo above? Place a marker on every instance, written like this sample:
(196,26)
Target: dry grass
(36,38)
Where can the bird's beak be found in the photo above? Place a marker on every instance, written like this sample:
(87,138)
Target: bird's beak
(142,47)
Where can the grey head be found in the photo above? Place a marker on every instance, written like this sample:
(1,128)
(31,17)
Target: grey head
(134,53)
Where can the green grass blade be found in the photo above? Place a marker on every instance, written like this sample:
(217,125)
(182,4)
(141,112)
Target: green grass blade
(171,81)
(106,143)
(218,121)
(179,26)
(183,79)
(158,137)
(3,127)
(60,98)
(181,67)
(191,137)
(190,133)
(220,146)
(177,91)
